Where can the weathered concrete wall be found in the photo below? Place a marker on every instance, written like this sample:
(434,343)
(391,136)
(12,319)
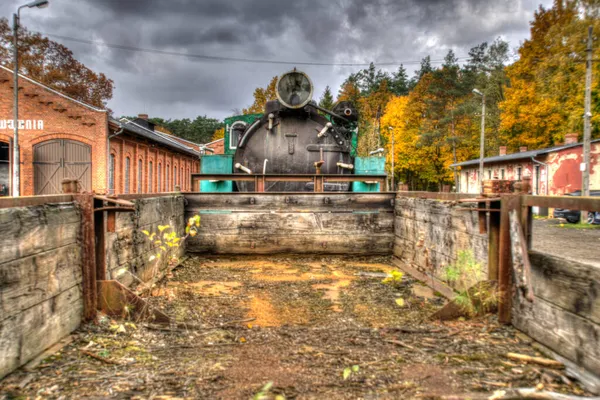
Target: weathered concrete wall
(40,280)
(128,250)
(565,315)
(430,233)
(267,223)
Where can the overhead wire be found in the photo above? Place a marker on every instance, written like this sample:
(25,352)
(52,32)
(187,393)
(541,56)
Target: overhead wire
(206,57)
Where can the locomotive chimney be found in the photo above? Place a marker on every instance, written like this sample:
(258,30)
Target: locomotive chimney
(502,151)
(143,116)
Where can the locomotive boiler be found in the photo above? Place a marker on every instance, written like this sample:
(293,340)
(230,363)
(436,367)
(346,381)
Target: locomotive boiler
(293,136)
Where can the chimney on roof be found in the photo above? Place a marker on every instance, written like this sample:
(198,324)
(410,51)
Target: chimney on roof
(502,150)
(143,116)
(571,138)
(523,149)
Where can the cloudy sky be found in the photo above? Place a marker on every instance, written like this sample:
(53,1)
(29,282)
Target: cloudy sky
(332,31)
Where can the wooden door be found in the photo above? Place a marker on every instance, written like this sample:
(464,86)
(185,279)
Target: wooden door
(55,160)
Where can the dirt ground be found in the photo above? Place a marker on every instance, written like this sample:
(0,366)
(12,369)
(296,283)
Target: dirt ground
(297,322)
(565,241)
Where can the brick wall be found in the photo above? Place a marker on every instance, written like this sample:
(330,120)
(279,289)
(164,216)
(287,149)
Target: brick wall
(62,119)
(152,158)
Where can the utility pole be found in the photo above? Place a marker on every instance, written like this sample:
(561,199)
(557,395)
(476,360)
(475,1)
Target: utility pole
(16,184)
(587,126)
(391,128)
(482,138)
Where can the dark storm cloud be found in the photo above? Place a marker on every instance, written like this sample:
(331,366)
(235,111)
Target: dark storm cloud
(310,30)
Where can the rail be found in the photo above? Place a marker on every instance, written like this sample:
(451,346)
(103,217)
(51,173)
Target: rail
(319,180)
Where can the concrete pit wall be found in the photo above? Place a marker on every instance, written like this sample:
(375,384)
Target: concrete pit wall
(40,280)
(429,234)
(128,249)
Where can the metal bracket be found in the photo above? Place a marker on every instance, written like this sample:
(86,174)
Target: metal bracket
(326,200)
(252,200)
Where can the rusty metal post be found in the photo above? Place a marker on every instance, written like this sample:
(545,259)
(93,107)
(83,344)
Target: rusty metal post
(260,183)
(88,239)
(509,202)
(482,217)
(494,241)
(100,241)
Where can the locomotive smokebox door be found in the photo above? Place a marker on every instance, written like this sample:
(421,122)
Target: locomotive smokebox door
(291,137)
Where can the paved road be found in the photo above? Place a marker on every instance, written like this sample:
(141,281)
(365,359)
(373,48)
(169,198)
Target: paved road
(575,244)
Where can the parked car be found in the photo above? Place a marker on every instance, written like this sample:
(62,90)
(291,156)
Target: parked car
(574,216)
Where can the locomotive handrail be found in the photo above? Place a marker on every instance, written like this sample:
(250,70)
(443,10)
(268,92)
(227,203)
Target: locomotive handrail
(318,179)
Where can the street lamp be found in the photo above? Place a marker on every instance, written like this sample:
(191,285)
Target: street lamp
(15,160)
(481,140)
(391,128)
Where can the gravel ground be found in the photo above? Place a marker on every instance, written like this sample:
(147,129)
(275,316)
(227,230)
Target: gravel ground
(564,241)
(298,322)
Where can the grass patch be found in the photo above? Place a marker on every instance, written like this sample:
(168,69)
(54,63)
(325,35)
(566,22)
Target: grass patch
(577,226)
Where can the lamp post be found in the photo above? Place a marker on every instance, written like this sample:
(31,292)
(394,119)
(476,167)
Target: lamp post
(393,156)
(481,139)
(15,159)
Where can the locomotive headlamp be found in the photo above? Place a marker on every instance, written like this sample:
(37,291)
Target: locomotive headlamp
(294,89)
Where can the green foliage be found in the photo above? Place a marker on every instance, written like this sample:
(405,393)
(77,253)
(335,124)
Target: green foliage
(167,239)
(264,393)
(475,296)
(393,278)
(199,130)
(326,100)
(348,371)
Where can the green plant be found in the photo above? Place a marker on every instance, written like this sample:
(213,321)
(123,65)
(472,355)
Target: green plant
(393,278)
(475,295)
(348,371)
(167,239)
(264,393)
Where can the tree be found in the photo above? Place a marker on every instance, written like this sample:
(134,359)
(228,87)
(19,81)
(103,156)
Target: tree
(545,98)
(261,96)
(399,83)
(219,134)
(326,100)
(425,69)
(54,65)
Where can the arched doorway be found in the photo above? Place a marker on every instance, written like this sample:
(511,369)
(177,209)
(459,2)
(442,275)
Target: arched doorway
(55,160)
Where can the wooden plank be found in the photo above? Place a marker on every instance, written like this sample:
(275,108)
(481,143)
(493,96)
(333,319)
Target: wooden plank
(430,281)
(88,259)
(373,244)
(289,201)
(569,202)
(30,201)
(26,231)
(494,243)
(567,284)
(116,300)
(35,329)
(34,279)
(508,203)
(244,224)
(573,337)
(520,257)
(438,195)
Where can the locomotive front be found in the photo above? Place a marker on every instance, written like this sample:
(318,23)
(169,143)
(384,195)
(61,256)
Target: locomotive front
(296,136)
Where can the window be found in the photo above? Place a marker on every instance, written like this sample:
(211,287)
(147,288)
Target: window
(175,175)
(127,170)
(235,133)
(139,189)
(489,174)
(167,170)
(111,174)
(182,180)
(519,171)
(150,177)
(502,173)
(158,176)
(4,169)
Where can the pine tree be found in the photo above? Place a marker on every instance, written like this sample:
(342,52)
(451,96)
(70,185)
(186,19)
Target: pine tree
(399,84)
(326,100)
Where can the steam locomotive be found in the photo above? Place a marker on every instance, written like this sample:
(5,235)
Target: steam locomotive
(293,136)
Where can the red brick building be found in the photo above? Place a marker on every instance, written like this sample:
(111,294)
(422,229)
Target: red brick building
(217,146)
(553,170)
(60,137)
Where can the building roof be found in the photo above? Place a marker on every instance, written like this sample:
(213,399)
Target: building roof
(155,136)
(520,155)
(48,88)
